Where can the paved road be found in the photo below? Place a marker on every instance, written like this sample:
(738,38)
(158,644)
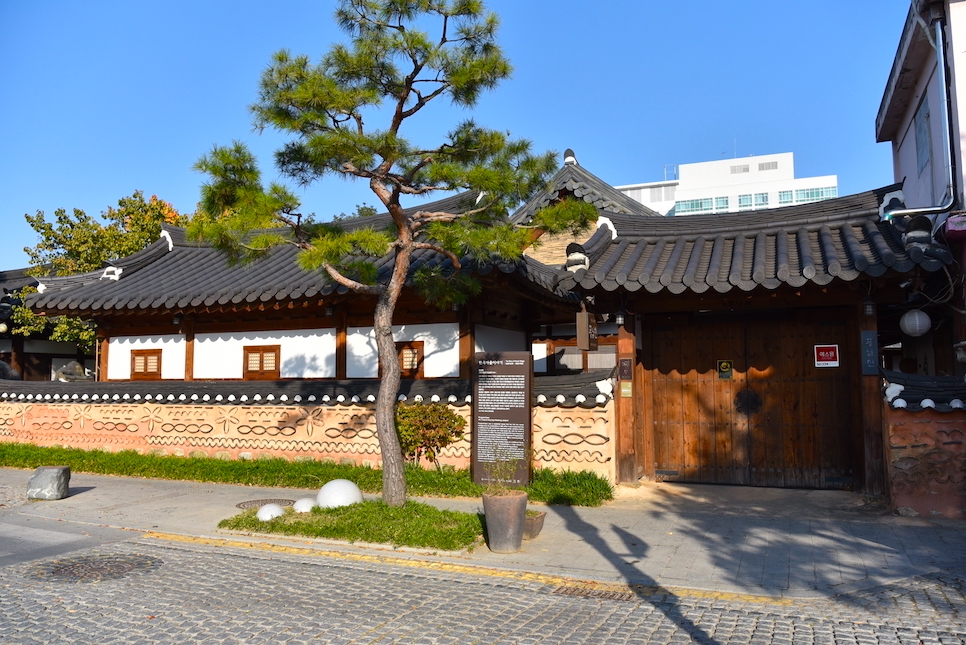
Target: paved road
(190,590)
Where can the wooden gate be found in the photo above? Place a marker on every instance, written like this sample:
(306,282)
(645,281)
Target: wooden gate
(774,420)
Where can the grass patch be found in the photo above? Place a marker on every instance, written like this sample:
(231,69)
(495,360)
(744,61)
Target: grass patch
(414,525)
(571,488)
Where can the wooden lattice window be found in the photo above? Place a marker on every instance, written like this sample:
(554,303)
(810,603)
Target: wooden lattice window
(262,363)
(146,364)
(410,359)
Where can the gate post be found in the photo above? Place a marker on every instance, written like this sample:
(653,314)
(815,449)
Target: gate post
(870,393)
(625,398)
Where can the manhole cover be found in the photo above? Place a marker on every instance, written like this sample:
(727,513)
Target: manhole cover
(602,594)
(93,568)
(255,503)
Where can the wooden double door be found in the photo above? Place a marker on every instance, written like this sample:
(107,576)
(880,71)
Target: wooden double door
(773,419)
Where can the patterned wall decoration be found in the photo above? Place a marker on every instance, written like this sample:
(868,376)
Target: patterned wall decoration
(575,439)
(927,462)
(564,439)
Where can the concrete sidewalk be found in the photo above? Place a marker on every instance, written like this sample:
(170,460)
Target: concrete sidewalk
(756,541)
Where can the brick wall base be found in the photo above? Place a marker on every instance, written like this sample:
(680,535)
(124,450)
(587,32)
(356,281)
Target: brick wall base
(927,462)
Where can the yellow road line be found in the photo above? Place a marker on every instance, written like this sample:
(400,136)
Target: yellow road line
(474,569)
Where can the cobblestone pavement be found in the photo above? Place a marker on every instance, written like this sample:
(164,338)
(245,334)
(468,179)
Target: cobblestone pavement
(198,592)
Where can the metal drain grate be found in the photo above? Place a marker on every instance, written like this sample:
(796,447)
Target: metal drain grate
(601,594)
(255,503)
(93,568)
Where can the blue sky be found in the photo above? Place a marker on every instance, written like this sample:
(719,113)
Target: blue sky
(101,98)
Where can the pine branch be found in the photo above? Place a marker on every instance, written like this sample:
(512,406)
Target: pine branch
(438,249)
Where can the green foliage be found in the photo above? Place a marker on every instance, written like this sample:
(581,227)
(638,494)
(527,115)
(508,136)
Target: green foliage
(440,482)
(260,472)
(500,475)
(59,328)
(444,291)
(424,429)
(572,216)
(414,525)
(77,242)
(571,488)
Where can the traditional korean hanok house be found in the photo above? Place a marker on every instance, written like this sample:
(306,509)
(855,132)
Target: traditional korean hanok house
(197,357)
(747,348)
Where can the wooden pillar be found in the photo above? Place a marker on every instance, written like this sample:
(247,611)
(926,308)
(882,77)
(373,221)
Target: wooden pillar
(341,351)
(625,397)
(16,355)
(642,444)
(873,433)
(103,341)
(189,350)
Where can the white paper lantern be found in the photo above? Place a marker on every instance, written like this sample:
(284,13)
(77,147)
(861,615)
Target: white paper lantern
(915,323)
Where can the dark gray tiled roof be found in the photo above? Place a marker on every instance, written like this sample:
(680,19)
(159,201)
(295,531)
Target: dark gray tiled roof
(177,274)
(575,180)
(917,392)
(818,242)
(578,390)
(14,280)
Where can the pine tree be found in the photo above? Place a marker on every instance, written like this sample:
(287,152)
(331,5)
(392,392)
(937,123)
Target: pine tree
(389,73)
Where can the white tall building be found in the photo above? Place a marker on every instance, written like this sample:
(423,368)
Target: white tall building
(733,185)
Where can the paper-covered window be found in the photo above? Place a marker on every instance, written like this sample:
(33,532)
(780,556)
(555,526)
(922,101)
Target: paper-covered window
(146,364)
(262,363)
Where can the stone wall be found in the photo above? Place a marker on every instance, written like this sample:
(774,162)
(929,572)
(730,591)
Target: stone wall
(927,462)
(563,438)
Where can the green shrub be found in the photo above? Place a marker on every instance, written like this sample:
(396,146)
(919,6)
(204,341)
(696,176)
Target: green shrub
(569,488)
(424,429)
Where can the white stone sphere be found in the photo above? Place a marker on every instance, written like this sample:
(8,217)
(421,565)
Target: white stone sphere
(270,512)
(304,505)
(338,492)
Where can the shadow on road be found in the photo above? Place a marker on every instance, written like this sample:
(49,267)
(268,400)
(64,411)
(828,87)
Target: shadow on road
(633,549)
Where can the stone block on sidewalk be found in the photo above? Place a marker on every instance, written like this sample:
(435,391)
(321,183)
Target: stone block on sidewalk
(49,482)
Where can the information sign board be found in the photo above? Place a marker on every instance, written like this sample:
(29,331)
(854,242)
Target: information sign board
(502,400)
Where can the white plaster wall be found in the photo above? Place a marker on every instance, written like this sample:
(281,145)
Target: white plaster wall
(441,349)
(172,348)
(305,353)
(956,56)
(924,189)
(540,352)
(494,339)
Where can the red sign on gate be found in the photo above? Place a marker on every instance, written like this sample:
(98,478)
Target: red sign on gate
(826,356)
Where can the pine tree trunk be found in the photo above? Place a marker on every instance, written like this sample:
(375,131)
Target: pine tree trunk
(393,472)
